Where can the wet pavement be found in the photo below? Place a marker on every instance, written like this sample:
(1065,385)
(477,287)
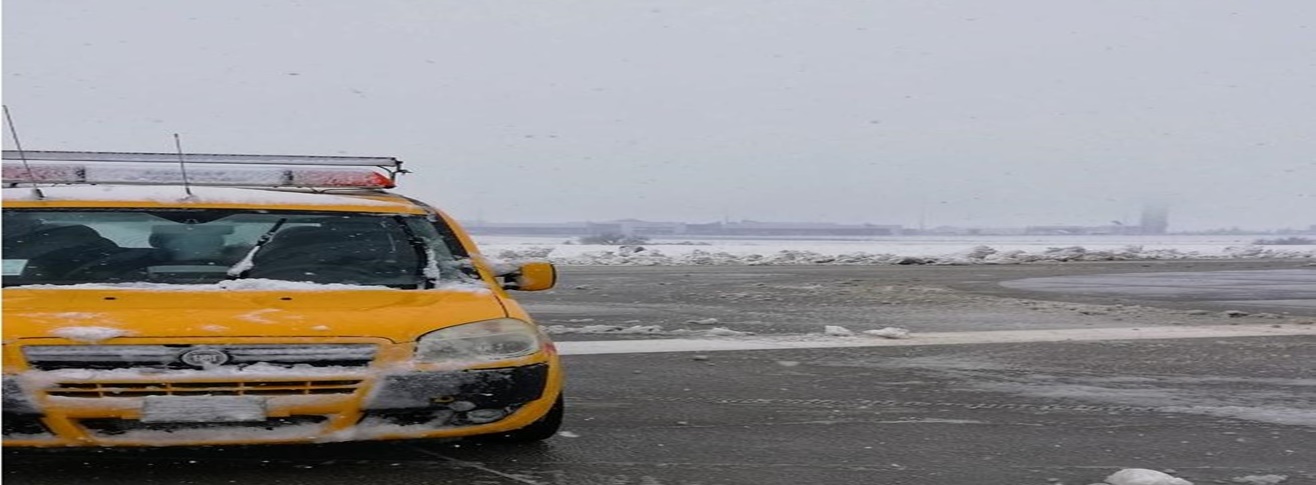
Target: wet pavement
(1210,409)
(1293,289)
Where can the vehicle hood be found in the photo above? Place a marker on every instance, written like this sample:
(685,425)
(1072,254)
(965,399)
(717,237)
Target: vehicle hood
(99,316)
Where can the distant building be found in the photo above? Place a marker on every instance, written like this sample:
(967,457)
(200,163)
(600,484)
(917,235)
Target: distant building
(633,227)
(756,228)
(975,231)
(1073,230)
(1114,229)
(1155,218)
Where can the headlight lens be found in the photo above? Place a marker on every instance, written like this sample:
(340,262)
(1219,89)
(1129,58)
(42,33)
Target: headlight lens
(481,341)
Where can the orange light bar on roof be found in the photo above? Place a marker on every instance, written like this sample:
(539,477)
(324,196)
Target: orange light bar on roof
(340,178)
(45,174)
(243,176)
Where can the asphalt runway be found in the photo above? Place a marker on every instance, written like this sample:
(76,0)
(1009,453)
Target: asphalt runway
(1189,381)
(1290,289)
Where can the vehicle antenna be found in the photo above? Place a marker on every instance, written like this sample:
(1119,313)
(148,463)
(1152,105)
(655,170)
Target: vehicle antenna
(182,166)
(36,189)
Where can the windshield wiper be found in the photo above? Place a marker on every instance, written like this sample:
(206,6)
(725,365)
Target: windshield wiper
(240,270)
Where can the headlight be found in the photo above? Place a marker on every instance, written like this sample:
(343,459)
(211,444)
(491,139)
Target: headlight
(488,340)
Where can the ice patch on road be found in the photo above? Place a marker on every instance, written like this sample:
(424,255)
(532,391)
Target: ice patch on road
(1283,401)
(1262,414)
(1248,406)
(1260,479)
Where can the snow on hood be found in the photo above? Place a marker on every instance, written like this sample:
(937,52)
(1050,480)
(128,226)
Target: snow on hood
(90,335)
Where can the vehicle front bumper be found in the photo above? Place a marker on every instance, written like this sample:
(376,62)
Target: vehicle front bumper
(90,408)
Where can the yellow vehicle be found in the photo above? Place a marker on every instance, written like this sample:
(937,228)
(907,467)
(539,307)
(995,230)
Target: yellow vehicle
(188,299)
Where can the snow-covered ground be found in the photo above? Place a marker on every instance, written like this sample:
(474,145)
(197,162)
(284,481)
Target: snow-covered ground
(891,250)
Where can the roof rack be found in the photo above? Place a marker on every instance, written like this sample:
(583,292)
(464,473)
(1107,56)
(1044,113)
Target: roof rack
(276,174)
(61,156)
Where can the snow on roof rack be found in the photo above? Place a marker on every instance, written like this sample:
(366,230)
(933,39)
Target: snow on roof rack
(279,170)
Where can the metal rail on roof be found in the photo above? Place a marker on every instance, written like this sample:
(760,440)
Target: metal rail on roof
(277,170)
(389,163)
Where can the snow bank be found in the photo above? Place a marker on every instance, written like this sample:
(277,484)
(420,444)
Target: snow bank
(914,256)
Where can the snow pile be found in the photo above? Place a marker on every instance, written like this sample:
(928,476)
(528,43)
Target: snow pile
(976,255)
(889,332)
(1142,476)
(837,331)
(886,332)
(713,332)
(89,335)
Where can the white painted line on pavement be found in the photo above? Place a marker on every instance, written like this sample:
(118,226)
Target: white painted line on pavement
(933,338)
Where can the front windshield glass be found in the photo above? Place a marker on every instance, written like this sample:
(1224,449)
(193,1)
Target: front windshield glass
(209,246)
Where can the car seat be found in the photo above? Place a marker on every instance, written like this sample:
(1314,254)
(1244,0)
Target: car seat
(358,253)
(52,251)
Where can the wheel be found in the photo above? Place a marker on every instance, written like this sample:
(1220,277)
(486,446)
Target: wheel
(542,429)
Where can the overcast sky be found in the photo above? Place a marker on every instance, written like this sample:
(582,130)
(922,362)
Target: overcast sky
(969,112)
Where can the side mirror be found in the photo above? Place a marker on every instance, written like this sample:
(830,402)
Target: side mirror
(533,276)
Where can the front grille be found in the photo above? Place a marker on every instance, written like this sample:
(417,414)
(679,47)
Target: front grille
(101,357)
(112,426)
(195,388)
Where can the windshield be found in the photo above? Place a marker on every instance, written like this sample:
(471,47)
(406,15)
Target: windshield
(209,246)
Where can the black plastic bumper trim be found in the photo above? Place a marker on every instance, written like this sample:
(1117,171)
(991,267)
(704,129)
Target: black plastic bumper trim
(488,388)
